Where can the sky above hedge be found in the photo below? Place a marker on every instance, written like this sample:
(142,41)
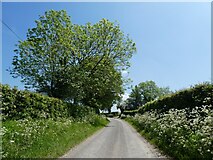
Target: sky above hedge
(173,39)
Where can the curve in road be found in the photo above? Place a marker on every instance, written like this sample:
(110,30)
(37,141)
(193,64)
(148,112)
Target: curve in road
(117,140)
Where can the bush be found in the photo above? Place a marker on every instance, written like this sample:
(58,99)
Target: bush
(79,112)
(18,104)
(24,104)
(130,113)
(198,95)
(176,135)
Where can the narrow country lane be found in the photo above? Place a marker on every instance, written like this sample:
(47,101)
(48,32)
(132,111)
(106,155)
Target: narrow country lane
(117,140)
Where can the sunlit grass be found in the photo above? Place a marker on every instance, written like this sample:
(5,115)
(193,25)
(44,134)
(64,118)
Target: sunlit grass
(46,138)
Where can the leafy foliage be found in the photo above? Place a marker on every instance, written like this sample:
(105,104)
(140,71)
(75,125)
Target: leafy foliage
(21,104)
(76,63)
(24,104)
(177,134)
(189,98)
(180,123)
(130,113)
(135,98)
(145,92)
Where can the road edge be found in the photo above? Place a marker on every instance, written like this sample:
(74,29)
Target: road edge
(99,131)
(153,148)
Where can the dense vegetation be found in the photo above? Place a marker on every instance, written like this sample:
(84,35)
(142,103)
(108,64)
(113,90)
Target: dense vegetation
(46,138)
(182,132)
(81,64)
(18,104)
(188,98)
(35,125)
(78,69)
(142,93)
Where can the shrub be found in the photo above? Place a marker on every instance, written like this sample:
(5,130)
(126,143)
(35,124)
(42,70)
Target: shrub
(18,104)
(130,113)
(178,136)
(198,95)
(79,112)
(24,104)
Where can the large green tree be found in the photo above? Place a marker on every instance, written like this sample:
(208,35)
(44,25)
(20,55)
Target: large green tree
(145,92)
(135,98)
(149,91)
(80,63)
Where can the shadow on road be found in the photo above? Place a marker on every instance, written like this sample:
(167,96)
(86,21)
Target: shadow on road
(109,126)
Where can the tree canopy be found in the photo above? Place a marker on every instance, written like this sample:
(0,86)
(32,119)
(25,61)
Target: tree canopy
(145,92)
(77,63)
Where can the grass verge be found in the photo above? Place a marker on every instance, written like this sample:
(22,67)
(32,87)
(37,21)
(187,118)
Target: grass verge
(46,138)
(141,132)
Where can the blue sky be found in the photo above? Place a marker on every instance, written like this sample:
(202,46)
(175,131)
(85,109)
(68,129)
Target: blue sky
(173,39)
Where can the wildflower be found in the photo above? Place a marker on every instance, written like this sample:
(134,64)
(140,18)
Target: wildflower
(12,141)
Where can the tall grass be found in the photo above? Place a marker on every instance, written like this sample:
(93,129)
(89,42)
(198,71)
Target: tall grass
(46,138)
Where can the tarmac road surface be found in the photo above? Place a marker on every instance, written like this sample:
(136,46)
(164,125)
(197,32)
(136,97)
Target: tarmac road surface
(117,140)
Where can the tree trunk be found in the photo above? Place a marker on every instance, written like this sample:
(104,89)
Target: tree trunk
(109,110)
